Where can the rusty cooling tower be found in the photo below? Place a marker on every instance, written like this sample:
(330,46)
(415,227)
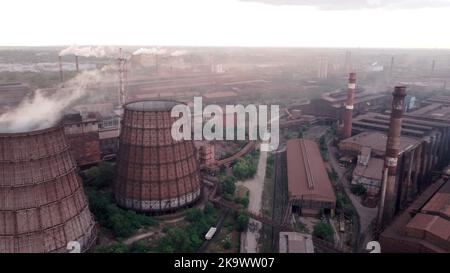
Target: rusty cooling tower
(386,209)
(347,131)
(42,203)
(154,172)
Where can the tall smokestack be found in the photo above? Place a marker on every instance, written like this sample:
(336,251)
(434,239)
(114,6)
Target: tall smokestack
(122,95)
(391,70)
(156,63)
(76,64)
(61,76)
(347,131)
(386,208)
(433,67)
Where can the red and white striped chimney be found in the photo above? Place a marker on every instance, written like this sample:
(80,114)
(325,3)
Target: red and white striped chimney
(386,209)
(347,131)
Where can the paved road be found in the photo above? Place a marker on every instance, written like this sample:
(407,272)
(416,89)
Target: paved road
(255,187)
(366,215)
(138,237)
(218,225)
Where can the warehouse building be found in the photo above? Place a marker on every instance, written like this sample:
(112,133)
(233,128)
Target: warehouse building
(309,187)
(295,242)
(424,226)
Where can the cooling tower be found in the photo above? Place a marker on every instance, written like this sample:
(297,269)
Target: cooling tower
(154,172)
(42,203)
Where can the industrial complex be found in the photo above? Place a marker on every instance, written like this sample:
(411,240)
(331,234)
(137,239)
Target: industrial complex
(363,155)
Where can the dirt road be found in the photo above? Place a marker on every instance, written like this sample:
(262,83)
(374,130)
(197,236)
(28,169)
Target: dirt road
(255,187)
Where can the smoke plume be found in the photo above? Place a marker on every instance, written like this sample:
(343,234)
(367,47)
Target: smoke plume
(91,51)
(150,51)
(42,111)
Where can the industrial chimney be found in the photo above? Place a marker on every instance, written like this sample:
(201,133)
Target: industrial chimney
(347,131)
(386,208)
(42,202)
(156,64)
(155,173)
(61,76)
(77,64)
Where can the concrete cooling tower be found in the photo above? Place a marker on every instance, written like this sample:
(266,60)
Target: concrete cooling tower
(42,203)
(155,173)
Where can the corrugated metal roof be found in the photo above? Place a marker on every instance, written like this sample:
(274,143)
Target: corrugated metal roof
(377,141)
(307,175)
(372,171)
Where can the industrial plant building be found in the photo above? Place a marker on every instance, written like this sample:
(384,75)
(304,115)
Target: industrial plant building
(42,202)
(155,173)
(424,146)
(82,134)
(294,242)
(370,148)
(309,188)
(411,145)
(332,104)
(424,226)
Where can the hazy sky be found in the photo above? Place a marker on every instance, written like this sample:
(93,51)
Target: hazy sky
(333,23)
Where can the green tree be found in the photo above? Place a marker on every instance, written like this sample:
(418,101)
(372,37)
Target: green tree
(228,184)
(209,209)
(227,244)
(242,220)
(324,231)
(114,248)
(101,176)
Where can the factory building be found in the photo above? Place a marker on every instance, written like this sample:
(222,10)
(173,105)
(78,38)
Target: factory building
(295,242)
(432,151)
(370,149)
(42,202)
(309,188)
(155,173)
(82,134)
(424,227)
(332,104)
(368,173)
(422,146)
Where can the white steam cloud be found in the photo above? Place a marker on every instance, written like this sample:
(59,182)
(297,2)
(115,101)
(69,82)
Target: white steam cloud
(41,111)
(91,51)
(150,51)
(159,51)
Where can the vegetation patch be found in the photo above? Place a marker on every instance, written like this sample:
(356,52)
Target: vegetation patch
(324,231)
(189,238)
(123,223)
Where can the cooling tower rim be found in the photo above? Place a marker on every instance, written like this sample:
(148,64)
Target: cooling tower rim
(155,105)
(49,129)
